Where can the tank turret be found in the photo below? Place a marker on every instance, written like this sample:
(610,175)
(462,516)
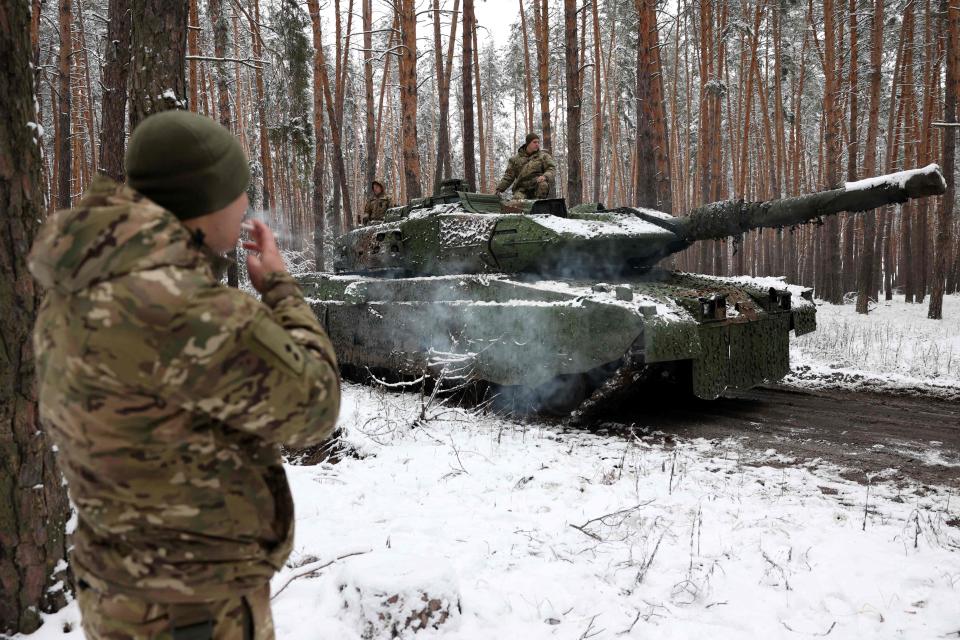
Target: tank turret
(455,231)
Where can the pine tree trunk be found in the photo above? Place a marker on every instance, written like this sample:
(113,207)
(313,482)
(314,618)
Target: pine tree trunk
(528,83)
(319,161)
(64,138)
(481,140)
(369,131)
(266,161)
(541,27)
(339,169)
(159,43)
(444,71)
(833,117)
(598,108)
(469,158)
(865,269)
(574,100)
(950,14)
(193,50)
(33,501)
(115,72)
(408,98)
(653,153)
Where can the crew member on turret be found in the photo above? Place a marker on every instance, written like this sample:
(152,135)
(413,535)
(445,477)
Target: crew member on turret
(377,204)
(530,172)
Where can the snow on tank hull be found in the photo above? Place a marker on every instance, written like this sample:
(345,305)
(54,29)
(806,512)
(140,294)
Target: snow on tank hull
(514,331)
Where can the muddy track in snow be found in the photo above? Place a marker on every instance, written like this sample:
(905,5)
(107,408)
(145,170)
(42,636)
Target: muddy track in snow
(903,438)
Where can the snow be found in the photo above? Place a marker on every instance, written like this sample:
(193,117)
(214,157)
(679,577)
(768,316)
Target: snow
(898,179)
(894,347)
(543,532)
(615,226)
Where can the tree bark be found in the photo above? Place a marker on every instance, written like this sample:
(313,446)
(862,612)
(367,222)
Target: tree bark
(370,132)
(266,162)
(33,501)
(951,15)
(319,161)
(339,170)
(408,98)
(598,108)
(114,107)
(541,26)
(64,138)
(159,46)
(653,153)
(865,269)
(832,115)
(574,100)
(444,71)
(469,156)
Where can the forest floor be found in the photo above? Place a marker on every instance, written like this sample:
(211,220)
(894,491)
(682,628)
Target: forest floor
(795,511)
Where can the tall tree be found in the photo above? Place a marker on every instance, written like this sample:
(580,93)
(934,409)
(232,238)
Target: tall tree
(865,284)
(33,502)
(319,158)
(218,21)
(371,166)
(598,108)
(64,139)
(159,46)
(653,150)
(444,71)
(541,26)
(469,157)
(572,60)
(833,153)
(115,71)
(266,161)
(950,11)
(320,68)
(408,98)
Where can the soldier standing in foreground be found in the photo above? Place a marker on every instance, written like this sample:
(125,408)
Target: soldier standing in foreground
(530,172)
(377,205)
(168,394)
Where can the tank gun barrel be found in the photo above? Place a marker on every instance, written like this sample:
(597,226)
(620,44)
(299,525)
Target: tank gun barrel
(732,217)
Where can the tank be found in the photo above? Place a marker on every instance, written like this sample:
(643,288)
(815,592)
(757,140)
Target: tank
(559,309)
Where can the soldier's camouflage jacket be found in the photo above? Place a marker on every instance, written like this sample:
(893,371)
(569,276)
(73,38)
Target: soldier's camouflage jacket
(523,170)
(376,206)
(167,395)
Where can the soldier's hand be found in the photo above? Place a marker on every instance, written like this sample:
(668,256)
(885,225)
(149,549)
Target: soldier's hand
(541,179)
(263,255)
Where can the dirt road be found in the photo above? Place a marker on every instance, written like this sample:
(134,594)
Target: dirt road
(900,437)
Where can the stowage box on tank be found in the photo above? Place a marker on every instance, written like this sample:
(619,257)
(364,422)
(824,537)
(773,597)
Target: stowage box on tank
(561,307)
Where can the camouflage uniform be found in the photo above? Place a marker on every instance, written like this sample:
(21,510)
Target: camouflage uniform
(167,396)
(376,206)
(522,172)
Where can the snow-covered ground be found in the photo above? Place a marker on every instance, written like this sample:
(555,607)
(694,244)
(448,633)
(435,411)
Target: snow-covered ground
(530,530)
(893,348)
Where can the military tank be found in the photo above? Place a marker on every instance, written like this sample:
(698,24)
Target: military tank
(562,309)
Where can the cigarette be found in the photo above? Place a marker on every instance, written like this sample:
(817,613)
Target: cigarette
(246,226)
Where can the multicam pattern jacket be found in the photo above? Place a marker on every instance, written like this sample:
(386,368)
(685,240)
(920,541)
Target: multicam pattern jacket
(375,209)
(167,396)
(522,172)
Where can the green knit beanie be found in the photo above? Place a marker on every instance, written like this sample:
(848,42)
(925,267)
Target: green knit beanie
(186,163)
(531,137)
